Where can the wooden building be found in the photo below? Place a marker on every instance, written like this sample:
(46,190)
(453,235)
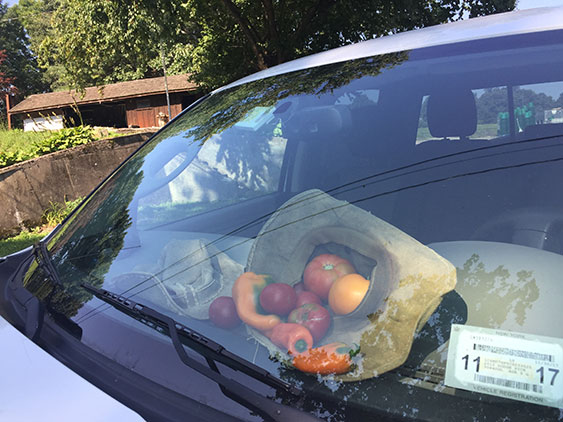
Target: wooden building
(140,103)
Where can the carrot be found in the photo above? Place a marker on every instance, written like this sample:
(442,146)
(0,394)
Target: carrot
(333,358)
(246,293)
(294,337)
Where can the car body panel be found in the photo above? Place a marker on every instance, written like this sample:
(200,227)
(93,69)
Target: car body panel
(36,386)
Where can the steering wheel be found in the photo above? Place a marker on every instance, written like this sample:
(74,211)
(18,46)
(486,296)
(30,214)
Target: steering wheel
(527,226)
(174,148)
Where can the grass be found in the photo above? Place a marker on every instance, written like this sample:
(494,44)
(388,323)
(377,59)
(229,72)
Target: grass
(17,140)
(21,241)
(52,216)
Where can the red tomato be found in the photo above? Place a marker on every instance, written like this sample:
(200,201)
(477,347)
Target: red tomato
(299,287)
(324,270)
(305,297)
(223,312)
(278,298)
(313,317)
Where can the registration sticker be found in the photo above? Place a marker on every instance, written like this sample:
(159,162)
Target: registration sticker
(502,363)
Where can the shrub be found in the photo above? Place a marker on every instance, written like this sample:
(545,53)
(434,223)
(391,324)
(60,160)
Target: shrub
(8,158)
(57,212)
(65,138)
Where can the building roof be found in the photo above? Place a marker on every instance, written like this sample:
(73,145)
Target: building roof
(106,93)
(498,25)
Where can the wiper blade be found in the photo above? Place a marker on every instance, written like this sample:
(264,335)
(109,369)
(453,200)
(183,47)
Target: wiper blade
(212,352)
(44,261)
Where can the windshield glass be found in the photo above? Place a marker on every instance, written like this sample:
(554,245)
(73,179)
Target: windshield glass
(389,230)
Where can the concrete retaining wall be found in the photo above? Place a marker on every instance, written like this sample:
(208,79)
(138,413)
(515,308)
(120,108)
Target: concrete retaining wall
(27,188)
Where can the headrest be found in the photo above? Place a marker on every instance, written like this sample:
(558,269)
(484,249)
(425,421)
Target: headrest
(324,120)
(452,113)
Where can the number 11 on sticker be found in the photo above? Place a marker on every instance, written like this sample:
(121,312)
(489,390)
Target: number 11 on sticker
(477,360)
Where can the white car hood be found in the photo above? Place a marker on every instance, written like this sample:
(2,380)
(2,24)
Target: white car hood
(35,386)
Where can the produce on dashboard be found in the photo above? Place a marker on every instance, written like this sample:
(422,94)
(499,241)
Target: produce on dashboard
(278,298)
(333,358)
(295,338)
(324,270)
(246,293)
(313,317)
(223,312)
(347,293)
(305,297)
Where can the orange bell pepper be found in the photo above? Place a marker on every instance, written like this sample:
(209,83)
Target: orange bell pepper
(246,294)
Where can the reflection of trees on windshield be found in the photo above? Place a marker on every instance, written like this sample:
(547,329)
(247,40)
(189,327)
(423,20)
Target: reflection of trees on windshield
(86,247)
(224,109)
(252,160)
(245,137)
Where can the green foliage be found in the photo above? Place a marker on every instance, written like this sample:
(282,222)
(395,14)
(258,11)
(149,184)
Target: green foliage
(52,216)
(218,41)
(57,212)
(213,117)
(65,138)
(20,64)
(21,241)
(495,100)
(9,158)
(96,42)
(17,145)
(35,15)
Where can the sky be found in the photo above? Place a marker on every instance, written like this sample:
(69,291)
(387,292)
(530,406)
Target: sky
(528,4)
(522,4)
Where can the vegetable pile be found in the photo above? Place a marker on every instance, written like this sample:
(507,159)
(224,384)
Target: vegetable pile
(293,317)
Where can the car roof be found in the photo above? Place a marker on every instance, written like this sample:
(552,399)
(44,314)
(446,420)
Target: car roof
(502,24)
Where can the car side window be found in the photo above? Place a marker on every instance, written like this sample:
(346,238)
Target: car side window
(501,111)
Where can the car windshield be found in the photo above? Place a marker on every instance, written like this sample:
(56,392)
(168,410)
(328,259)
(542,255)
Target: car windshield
(388,229)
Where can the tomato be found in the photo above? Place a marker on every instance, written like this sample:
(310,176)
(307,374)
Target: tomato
(324,270)
(299,287)
(223,312)
(305,297)
(313,317)
(347,293)
(278,298)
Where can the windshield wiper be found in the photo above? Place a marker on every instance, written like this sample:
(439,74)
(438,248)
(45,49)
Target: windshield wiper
(212,352)
(44,261)
(28,303)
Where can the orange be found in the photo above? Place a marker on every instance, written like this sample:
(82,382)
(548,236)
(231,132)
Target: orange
(347,293)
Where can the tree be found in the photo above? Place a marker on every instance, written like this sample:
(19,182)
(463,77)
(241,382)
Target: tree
(98,42)
(5,82)
(35,16)
(222,40)
(19,64)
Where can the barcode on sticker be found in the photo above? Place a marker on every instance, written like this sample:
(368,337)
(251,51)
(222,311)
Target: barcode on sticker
(512,352)
(502,382)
